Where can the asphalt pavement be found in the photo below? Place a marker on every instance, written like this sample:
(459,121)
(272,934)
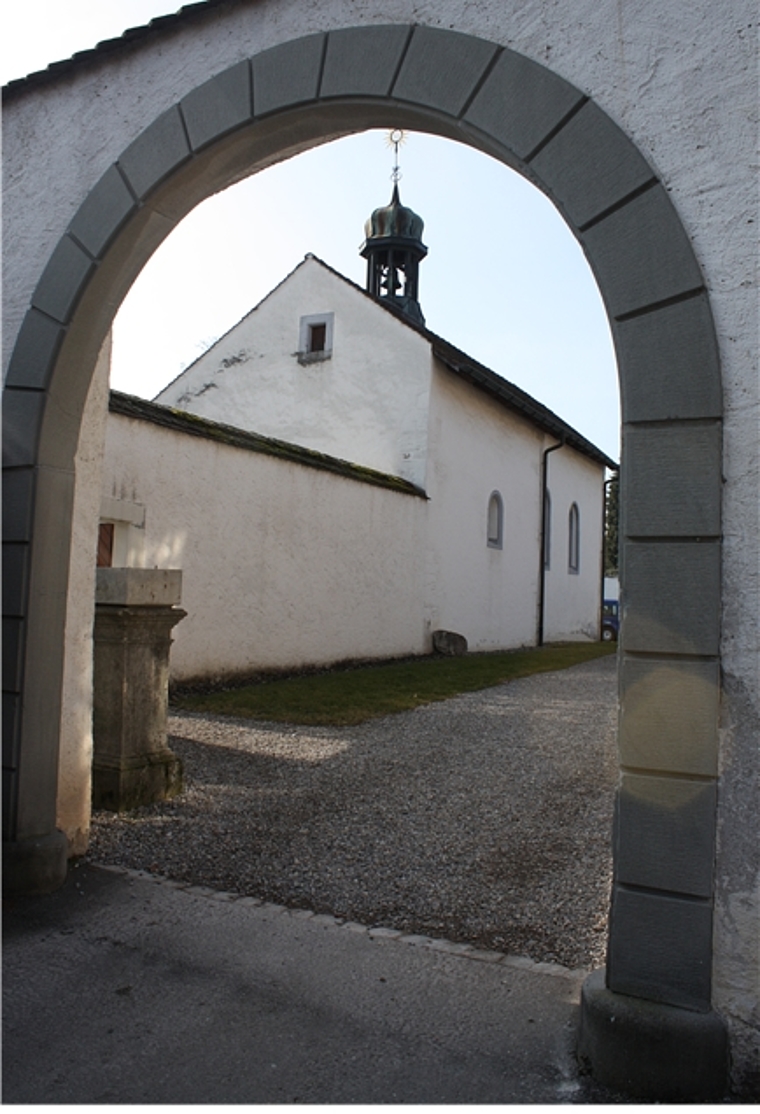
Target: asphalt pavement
(125,988)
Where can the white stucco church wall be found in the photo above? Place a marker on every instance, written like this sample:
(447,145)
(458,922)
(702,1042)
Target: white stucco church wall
(477,449)
(283,565)
(371,410)
(573,588)
(377,394)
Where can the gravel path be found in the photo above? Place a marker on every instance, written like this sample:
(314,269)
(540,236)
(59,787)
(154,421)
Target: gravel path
(483,819)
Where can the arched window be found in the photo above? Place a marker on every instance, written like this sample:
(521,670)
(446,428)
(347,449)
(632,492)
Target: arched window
(495,531)
(547,528)
(574,539)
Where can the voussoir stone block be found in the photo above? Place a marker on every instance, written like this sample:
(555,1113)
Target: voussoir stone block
(669,366)
(671,598)
(18,494)
(219,105)
(159,150)
(13,638)
(63,280)
(11,721)
(641,254)
(36,348)
(287,75)
(22,418)
(660,948)
(362,61)
(441,69)
(669,715)
(10,794)
(520,103)
(590,165)
(671,480)
(103,212)
(665,831)
(15,574)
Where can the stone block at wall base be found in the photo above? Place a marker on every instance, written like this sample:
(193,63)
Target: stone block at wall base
(139,780)
(450,643)
(35,866)
(651,1052)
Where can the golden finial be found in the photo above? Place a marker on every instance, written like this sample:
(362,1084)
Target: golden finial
(396,137)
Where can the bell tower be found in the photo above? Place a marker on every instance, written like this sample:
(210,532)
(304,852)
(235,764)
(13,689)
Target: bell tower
(393,249)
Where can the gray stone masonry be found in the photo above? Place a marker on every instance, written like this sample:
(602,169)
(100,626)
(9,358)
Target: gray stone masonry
(134,617)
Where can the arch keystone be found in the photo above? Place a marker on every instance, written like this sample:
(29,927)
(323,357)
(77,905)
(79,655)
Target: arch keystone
(442,69)
(363,61)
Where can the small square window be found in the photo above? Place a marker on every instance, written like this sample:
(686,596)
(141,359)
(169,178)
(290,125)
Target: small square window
(315,338)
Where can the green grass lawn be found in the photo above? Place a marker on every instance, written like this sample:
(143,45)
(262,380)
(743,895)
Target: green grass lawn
(349,696)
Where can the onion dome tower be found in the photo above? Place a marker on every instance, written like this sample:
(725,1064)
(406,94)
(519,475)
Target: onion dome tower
(393,249)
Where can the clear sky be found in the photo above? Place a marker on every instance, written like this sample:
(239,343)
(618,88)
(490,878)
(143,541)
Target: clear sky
(504,279)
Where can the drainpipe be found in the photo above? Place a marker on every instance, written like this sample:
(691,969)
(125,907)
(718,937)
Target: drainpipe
(542,542)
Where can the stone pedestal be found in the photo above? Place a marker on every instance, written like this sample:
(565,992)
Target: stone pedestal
(135,613)
(650,1051)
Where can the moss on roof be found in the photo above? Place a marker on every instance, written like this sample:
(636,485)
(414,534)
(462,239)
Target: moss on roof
(180,421)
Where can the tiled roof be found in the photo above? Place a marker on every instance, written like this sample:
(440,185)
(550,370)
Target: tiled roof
(158,26)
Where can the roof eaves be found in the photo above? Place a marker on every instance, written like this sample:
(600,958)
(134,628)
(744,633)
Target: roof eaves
(157,25)
(514,398)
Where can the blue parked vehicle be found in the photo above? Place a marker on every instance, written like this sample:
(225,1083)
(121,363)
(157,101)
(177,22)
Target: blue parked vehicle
(610,620)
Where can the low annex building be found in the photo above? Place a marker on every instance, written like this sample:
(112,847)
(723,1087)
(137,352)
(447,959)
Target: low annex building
(336,482)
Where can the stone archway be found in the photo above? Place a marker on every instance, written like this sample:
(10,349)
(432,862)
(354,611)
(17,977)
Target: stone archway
(275,104)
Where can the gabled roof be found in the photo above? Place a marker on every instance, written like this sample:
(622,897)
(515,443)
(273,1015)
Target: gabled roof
(510,396)
(155,28)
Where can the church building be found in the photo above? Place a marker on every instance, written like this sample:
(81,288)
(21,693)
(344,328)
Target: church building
(338,483)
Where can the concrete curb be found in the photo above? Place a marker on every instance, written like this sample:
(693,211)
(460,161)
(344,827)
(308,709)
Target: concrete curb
(373,932)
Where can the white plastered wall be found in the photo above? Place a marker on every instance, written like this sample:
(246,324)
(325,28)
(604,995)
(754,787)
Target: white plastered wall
(75,762)
(573,599)
(489,594)
(283,565)
(366,403)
